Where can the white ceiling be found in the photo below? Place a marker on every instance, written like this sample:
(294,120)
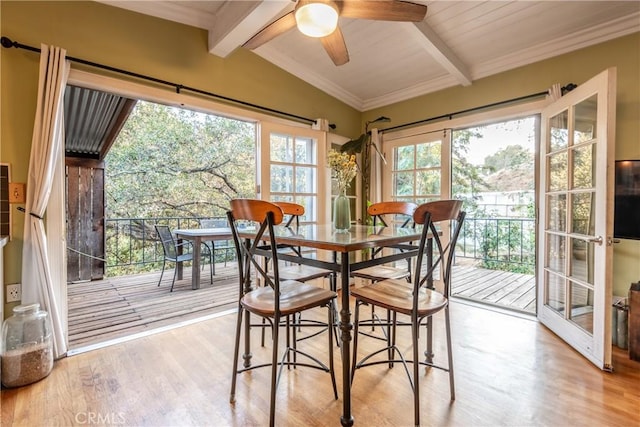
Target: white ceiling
(458,41)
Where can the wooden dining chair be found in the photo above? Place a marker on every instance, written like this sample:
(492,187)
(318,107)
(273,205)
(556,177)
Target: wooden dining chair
(419,302)
(171,252)
(301,273)
(385,214)
(278,300)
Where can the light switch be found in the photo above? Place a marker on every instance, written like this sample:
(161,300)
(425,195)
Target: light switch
(16,192)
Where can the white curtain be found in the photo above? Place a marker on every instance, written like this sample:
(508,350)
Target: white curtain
(47,153)
(554,93)
(376,167)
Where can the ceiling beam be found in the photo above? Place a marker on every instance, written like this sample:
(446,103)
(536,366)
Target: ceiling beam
(238,21)
(442,53)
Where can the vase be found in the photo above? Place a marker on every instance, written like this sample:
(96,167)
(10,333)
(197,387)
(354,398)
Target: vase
(342,212)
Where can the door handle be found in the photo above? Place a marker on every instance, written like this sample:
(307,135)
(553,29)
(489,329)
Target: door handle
(597,240)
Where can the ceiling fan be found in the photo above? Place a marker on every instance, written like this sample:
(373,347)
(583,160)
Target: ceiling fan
(319,18)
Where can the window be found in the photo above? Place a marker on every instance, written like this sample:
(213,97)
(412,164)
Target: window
(417,163)
(293,169)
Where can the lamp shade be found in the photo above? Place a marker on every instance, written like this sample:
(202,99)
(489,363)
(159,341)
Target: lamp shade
(316,19)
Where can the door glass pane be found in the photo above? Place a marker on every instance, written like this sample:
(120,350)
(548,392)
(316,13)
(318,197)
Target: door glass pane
(404,158)
(555,292)
(582,261)
(428,182)
(584,166)
(556,253)
(404,184)
(557,212)
(586,113)
(559,131)
(281,148)
(306,180)
(428,155)
(581,306)
(310,207)
(582,213)
(305,151)
(558,171)
(281,179)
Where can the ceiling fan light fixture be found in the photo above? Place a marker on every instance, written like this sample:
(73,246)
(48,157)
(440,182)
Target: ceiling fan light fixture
(316,19)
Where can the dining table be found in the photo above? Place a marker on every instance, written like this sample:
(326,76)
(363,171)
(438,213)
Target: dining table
(345,246)
(197,236)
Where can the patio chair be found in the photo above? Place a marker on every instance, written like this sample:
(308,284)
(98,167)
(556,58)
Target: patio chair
(417,301)
(277,301)
(171,252)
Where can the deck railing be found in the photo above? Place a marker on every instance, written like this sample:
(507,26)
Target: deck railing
(499,243)
(132,245)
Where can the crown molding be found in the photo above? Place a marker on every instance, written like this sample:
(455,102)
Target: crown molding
(578,40)
(171,11)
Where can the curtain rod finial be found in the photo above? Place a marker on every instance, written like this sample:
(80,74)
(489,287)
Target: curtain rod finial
(6,42)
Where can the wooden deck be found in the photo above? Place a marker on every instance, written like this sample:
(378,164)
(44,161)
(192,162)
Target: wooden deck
(512,291)
(109,309)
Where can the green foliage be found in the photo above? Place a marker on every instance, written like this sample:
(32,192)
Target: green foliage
(507,245)
(467,180)
(173,162)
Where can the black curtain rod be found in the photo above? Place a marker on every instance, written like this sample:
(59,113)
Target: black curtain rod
(449,116)
(8,43)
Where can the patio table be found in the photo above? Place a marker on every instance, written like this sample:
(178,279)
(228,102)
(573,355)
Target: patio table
(197,236)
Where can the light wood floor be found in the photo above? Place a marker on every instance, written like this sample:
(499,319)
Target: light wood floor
(510,371)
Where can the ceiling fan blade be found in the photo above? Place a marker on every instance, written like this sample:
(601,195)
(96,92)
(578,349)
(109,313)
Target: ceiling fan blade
(335,47)
(277,27)
(382,10)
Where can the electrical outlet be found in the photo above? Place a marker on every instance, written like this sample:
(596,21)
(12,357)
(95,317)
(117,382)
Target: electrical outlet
(14,293)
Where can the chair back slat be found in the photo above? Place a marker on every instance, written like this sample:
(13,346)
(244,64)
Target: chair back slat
(440,210)
(379,210)
(255,210)
(293,209)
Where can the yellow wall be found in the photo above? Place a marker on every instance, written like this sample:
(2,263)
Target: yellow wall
(178,53)
(576,67)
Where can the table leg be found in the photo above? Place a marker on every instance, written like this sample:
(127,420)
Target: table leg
(195,264)
(345,349)
(179,264)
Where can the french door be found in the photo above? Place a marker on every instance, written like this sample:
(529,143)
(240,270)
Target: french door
(576,217)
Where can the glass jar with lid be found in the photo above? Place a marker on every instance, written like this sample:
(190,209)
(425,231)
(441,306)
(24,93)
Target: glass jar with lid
(27,352)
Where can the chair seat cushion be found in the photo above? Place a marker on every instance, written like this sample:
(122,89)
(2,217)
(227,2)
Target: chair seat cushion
(294,297)
(181,258)
(396,295)
(381,272)
(302,273)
